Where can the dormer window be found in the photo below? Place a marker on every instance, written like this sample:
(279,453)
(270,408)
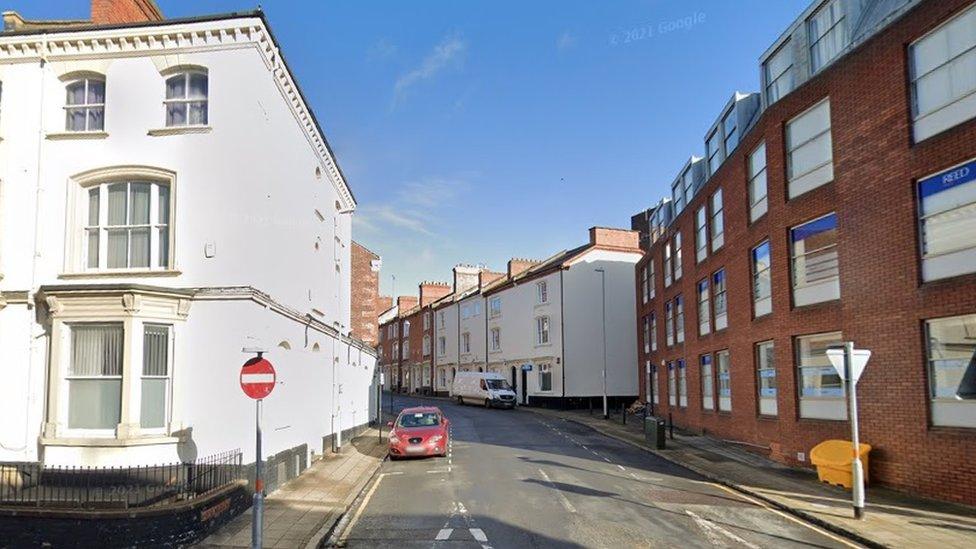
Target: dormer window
(828,34)
(730,125)
(778,73)
(187,99)
(84,105)
(714,146)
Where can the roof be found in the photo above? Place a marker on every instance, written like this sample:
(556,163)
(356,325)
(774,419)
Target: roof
(258,13)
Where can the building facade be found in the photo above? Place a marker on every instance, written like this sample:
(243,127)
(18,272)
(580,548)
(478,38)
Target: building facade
(365,303)
(843,210)
(134,267)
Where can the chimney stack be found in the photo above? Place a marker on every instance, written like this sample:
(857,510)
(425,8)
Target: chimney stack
(432,291)
(465,278)
(405,303)
(487,277)
(517,266)
(111,12)
(614,238)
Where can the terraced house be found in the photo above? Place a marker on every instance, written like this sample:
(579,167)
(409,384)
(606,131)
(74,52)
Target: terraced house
(838,203)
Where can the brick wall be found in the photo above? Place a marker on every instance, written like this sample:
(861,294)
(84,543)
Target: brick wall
(616,238)
(107,12)
(883,301)
(365,294)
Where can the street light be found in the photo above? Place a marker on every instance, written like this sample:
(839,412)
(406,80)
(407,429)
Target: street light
(603,292)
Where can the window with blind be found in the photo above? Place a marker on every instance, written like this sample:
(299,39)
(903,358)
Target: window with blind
(943,74)
(95,376)
(682,383)
(762,284)
(655,388)
(84,106)
(758,204)
(827,30)
(766,373)
(704,308)
(950,348)
(809,150)
(128,226)
(724,368)
(821,389)
(679,319)
(947,222)
(718,221)
(701,234)
(187,99)
(708,382)
(816,271)
(155,376)
(677,256)
(778,73)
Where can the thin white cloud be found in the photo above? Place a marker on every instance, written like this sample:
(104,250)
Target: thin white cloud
(447,52)
(382,49)
(376,218)
(431,192)
(565,41)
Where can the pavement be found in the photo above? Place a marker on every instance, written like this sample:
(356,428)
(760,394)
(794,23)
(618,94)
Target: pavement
(892,519)
(513,478)
(303,511)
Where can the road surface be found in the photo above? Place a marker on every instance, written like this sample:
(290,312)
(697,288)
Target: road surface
(519,479)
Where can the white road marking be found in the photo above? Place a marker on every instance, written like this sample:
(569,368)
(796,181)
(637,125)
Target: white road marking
(444,534)
(479,535)
(562,497)
(362,507)
(709,527)
(621,467)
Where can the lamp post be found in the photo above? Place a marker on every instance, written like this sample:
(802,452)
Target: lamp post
(603,293)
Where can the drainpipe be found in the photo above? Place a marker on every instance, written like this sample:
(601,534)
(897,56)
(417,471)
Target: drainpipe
(562,332)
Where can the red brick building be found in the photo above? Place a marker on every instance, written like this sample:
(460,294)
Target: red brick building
(844,210)
(365,307)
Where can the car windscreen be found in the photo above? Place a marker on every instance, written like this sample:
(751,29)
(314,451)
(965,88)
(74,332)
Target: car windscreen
(421,419)
(499,385)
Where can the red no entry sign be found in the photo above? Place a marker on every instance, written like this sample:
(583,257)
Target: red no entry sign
(257,378)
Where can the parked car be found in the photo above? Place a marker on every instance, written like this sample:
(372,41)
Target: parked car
(419,431)
(487,388)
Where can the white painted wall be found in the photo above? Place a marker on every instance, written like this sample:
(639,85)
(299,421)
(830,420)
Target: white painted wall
(583,326)
(475,326)
(449,329)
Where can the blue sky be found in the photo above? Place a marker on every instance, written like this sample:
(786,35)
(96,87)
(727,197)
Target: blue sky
(478,131)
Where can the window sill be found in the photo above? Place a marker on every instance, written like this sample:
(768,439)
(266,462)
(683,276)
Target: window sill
(120,273)
(180,130)
(72,136)
(538,345)
(107,442)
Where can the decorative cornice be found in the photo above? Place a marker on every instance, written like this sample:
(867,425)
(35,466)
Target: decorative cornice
(140,41)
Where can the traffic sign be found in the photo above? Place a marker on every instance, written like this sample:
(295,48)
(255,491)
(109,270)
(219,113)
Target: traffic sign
(859,359)
(257,378)
(526,367)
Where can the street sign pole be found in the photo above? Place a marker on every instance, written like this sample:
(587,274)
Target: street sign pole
(858,468)
(257,380)
(257,525)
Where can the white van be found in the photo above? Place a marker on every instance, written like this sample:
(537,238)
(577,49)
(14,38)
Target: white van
(483,388)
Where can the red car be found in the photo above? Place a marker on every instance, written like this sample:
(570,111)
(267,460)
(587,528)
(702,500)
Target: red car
(420,431)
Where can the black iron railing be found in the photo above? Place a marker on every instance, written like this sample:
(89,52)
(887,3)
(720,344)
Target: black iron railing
(33,484)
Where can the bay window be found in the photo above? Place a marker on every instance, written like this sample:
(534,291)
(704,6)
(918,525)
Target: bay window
(950,348)
(721,300)
(943,76)
(704,308)
(947,222)
(821,389)
(718,221)
(766,372)
(187,102)
(701,234)
(127,226)
(724,381)
(809,150)
(708,382)
(155,376)
(758,204)
(762,285)
(813,253)
(95,376)
(828,34)
(84,106)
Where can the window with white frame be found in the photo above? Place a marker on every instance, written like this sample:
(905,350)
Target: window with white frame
(809,150)
(677,256)
(396,330)
(426,320)
(679,319)
(406,347)
(708,382)
(442,378)
(950,348)
(758,203)
(426,346)
(440,319)
(766,372)
(821,389)
(187,99)
(542,330)
(943,63)
(704,308)
(947,222)
(646,323)
(667,264)
(762,283)
(813,251)
(669,323)
(731,127)
(827,33)
(718,221)
(721,300)
(465,342)
(672,385)
(127,226)
(84,106)
(406,328)
(541,292)
(713,146)
(653,332)
(495,306)
(396,350)
(778,73)
(496,339)
(724,367)
(441,345)
(645,286)
(94,376)
(701,234)
(154,412)
(682,383)
(545,377)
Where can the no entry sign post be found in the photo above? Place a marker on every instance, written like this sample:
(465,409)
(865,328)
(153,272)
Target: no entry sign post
(257,382)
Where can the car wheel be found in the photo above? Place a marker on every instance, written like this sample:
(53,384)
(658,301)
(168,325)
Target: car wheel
(487,403)
(460,401)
